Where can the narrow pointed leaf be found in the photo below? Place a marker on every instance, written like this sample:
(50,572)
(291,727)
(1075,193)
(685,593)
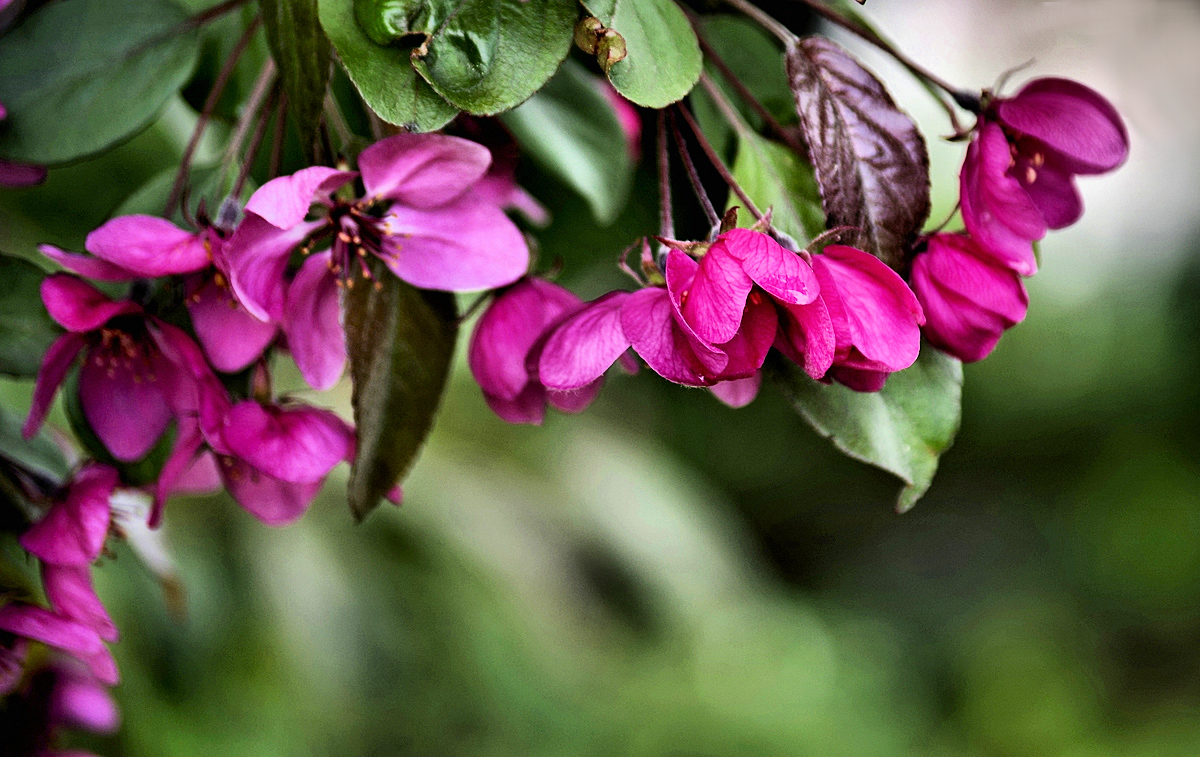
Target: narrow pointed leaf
(400,340)
(662,57)
(383,75)
(571,130)
(26,329)
(81,75)
(870,159)
(903,428)
(303,55)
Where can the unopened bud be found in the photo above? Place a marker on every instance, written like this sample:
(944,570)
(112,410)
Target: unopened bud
(587,34)
(610,49)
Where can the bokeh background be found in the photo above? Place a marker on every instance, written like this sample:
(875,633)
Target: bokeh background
(665,576)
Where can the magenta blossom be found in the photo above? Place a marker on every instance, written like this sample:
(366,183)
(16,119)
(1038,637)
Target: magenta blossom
(969,300)
(503,358)
(418,215)
(876,318)
(60,695)
(1018,178)
(73,530)
(139,246)
(744,264)
(128,387)
(651,321)
(76,638)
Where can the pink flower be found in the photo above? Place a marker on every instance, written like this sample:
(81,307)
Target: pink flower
(744,264)
(582,346)
(969,300)
(73,530)
(419,216)
(59,695)
(505,346)
(876,318)
(77,639)
(139,246)
(1018,177)
(128,387)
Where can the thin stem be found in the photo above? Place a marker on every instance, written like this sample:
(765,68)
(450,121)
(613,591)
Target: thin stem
(333,115)
(277,137)
(210,104)
(964,99)
(715,159)
(187,25)
(788,138)
(260,129)
(666,221)
(693,176)
(262,86)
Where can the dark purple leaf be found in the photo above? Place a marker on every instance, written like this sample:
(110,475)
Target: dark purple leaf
(869,158)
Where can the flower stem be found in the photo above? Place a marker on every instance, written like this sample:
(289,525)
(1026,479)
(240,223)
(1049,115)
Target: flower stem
(262,87)
(210,104)
(693,176)
(735,120)
(666,220)
(260,130)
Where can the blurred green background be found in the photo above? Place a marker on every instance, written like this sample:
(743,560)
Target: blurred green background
(665,576)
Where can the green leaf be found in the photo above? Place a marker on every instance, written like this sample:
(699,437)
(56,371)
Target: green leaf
(82,75)
(38,455)
(400,340)
(571,130)
(488,56)
(26,329)
(775,176)
(303,55)
(384,76)
(662,57)
(205,184)
(903,428)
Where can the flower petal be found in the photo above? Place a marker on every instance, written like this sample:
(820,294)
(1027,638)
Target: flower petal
(997,211)
(232,338)
(294,444)
(749,346)
(312,322)
(283,202)
(59,358)
(1073,120)
(714,303)
(584,345)
(738,392)
(257,255)
(70,592)
(79,306)
(125,406)
(782,273)
(86,265)
(15,175)
(274,502)
(422,170)
(1052,189)
(527,407)
(149,246)
(648,320)
(461,247)
(807,337)
(71,636)
(74,528)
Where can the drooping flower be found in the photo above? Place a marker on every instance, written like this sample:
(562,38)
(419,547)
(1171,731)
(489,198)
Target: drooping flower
(583,345)
(502,354)
(73,530)
(968,299)
(78,639)
(876,318)
(1017,180)
(60,695)
(139,246)
(128,388)
(418,215)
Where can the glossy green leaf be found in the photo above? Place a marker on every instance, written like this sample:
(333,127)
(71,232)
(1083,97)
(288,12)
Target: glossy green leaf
(903,428)
(82,75)
(488,56)
(776,177)
(662,58)
(38,455)
(26,329)
(303,55)
(571,130)
(401,341)
(384,76)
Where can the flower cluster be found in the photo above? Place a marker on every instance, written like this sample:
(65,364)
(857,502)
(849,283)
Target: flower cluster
(1017,181)
(706,318)
(187,348)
